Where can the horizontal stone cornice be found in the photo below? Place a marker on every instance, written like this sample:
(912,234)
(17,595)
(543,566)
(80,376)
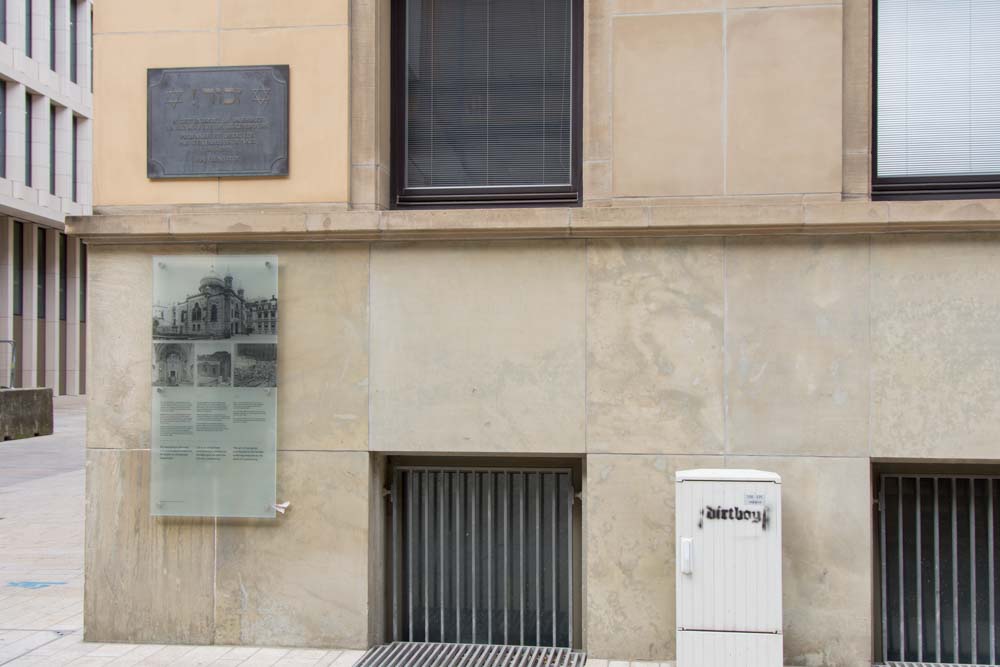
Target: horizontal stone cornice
(333,222)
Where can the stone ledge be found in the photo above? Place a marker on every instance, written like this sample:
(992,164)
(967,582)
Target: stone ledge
(710,217)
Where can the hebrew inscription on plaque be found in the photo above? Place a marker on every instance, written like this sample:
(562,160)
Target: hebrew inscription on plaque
(217,121)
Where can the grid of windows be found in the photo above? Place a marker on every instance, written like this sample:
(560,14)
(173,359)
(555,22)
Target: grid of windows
(44,149)
(53,144)
(64,138)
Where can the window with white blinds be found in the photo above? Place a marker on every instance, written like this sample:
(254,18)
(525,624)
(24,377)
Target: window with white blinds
(938,91)
(489,96)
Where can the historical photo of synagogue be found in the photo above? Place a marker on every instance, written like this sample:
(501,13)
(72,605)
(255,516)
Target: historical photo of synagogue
(218,298)
(215,365)
(256,365)
(173,365)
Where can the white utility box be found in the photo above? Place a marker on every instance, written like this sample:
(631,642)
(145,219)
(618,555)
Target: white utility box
(728,568)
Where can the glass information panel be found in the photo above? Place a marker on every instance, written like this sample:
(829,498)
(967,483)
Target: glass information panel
(215,385)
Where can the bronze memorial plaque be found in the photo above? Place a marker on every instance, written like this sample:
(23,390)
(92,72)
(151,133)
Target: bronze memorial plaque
(217,121)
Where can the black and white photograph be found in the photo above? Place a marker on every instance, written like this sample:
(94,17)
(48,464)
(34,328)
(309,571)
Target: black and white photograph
(173,365)
(256,365)
(215,298)
(214,364)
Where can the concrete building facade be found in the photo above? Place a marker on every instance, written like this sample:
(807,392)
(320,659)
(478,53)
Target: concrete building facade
(726,291)
(46,106)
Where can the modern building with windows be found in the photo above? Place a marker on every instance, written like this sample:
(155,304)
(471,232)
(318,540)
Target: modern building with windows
(46,111)
(535,257)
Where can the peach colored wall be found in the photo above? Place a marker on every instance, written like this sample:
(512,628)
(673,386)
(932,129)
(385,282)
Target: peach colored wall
(311,37)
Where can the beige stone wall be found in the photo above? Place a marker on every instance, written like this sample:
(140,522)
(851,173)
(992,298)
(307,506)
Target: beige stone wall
(568,332)
(300,580)
(683,98)
(734,99)
(311,37)
(726,99)
(808,356)
(478,348)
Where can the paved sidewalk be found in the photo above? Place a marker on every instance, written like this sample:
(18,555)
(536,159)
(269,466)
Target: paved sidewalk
(41,568)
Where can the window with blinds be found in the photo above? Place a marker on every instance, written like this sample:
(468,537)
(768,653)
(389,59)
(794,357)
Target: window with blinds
(487,101)
(937,96)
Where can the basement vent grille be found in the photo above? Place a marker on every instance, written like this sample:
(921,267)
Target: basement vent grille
(407,654)
(939,569)
(482,556)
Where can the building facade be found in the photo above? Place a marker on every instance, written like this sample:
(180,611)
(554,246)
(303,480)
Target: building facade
(46,111)
(537,256)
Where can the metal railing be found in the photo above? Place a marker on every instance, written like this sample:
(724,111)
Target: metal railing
(482,556)
(938,568)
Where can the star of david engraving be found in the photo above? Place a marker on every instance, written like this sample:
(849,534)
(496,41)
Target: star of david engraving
(261,95)
(174,97)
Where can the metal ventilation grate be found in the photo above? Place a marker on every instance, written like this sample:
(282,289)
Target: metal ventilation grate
(482,556)
(410,654)
(939,569)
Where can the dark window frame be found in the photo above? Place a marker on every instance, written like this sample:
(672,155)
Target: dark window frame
(42,259)
(74,159)
(480,197)
(28,131)
(17,260)
(74,40)
(52,149)
(83,281)
(63,268)
(52,35)
(3,126)
(919,187)
(28,28)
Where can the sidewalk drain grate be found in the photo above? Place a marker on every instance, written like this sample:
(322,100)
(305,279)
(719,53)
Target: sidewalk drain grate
(414,654)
